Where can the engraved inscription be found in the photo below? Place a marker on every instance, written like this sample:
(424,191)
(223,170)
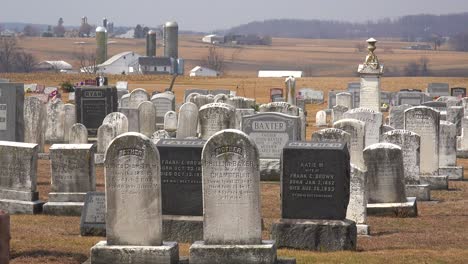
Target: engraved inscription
(96,210)
(3,116)
(310,181)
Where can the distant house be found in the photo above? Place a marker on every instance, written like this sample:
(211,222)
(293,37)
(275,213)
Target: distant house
(200,71)
(7,33)
(155,65)
(213,39)
(56,66)
(419,47)
(122,63)
(280,74)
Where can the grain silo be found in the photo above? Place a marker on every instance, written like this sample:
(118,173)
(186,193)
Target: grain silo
(104,22)
(171,40)
(151,43)
(101,41)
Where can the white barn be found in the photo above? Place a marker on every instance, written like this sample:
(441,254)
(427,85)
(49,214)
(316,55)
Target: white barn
(122,63)
(279,74)
(200,71)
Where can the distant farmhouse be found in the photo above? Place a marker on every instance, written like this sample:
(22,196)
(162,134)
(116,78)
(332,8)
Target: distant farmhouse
(237,39)
(200,71)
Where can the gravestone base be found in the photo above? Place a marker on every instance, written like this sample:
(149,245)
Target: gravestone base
(436,182)
(200,253)
(318,235)
(183,229)
(43,156)
(408,209)
(20,202)
(462,153)
(362,230)
(168,253)
(454,173)
(93,230)
(69,204)
(270,169)
(99,158)
(422,192)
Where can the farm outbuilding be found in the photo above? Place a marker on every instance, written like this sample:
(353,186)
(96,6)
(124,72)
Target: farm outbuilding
(280,74)
(55,66)
(122,63)
(200,71)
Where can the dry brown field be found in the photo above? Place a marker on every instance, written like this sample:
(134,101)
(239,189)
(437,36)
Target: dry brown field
(314,57)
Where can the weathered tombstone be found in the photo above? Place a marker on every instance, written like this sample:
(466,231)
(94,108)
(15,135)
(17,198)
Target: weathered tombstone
(134,231)
(240,113)
(290,83)
(170,122)
(424,121)
(332,98)
(181,185)
(386,181)
(345,99)
(188,121)
(137,97)
(338,112)
(311,96)
(78,134)
(241,102)
(18,180)
(314,198)
(124,101)
(439,106)
(93,216)
(373,122)
(413,98)
(34,121)
(438,89)
(448,151)
(146,118)
(462,140)
(5,237)
(69,119)
(55,121)
(220,98)
(133,117)
(276,93)
(455,116)
(93,104)
(370,71)
(160,134)
(355,89)
(357,130)
(201,100)
(232,230)
(72,176)
(280,107)
(105,134)
(321,119)
(459,92)
(410,142)
(332,135)
(164,102)
(303,124)
(190,91)
(118,121)
(397,116)
(215,117)
(357,207)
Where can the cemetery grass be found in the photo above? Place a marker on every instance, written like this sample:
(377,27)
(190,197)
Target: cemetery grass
(438,235)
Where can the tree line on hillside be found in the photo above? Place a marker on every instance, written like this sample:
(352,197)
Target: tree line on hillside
(407,28)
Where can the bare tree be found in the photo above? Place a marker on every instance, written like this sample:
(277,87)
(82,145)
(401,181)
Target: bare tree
(8,49)
(25,62)
(214,59)
(31,31)
(87,61)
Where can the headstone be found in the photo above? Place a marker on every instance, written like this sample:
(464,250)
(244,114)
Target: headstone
(291,90)
(409,142)
(215,117)
(338,112)
(462,141)
(55,121)
(118,121)
(231,208)
(239,102)
(439,106)
(69,119)
(240,113)
(72,176)
(315,180)
(321,119)
(78,134)
(137,97)
(147,118)
(188,121)
(201,100)
(93,104)
(386,98)
(271,132)
(164,102)
(447,144)
(170,122)
(438,89)
(133,174)
(413,98)
(459,92)
(373,122)
(11,112)
(357,130)
(332,98)
(280,107)
(385,174)
(370,72)
(34,121)
(332,135)
(424,121)
(105,134)
(93,217)
(133,117)
(344,99)
(455,116)
(190,91)
(358,197)
(124,101)
(18,179)
(311,96)
(220,98)
(160,134)
(397,116)
(49,90)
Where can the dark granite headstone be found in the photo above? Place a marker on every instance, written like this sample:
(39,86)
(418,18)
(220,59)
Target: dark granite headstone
(315,180)
(413,98)
(438,89)
(93,216)
(355,89)
(93,104)
(458,92)
(11,112)
(181,176)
